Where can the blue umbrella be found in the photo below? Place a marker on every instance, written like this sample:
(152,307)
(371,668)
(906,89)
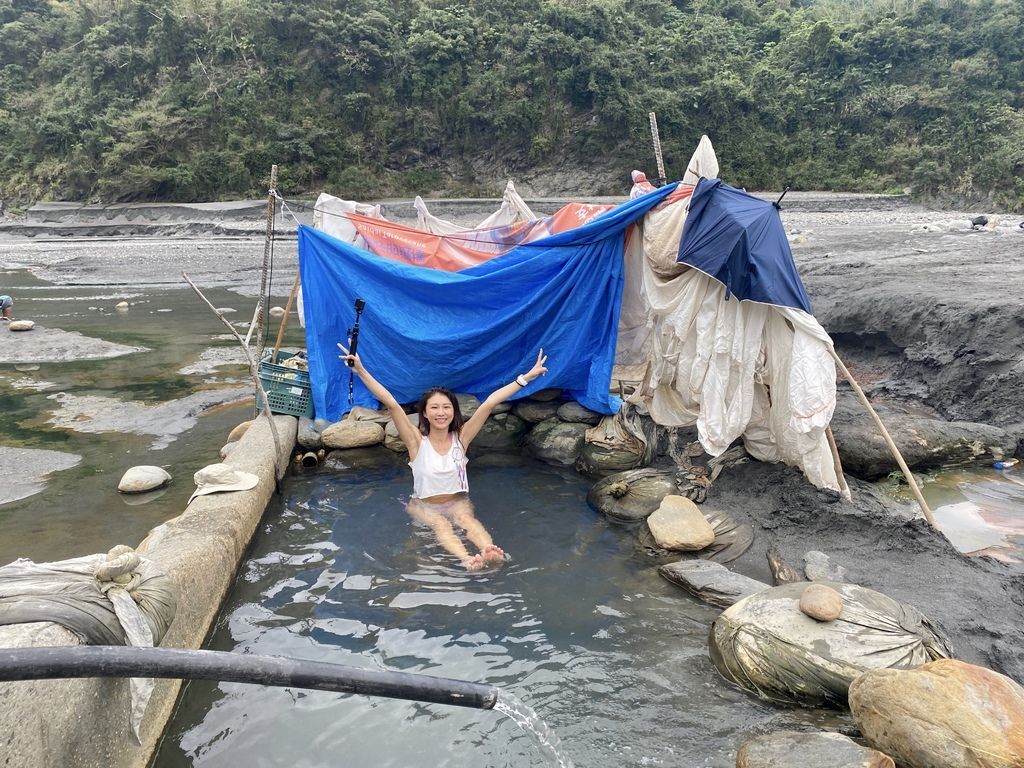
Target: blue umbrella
(739,240)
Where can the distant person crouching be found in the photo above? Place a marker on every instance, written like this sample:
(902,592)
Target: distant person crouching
(6,307)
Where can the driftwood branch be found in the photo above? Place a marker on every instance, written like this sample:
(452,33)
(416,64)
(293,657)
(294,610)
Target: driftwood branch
(261,394)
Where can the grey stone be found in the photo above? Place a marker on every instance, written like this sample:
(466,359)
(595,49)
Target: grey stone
(309,436)
(556,442)
(501,432)
(467,404)
(924,441)
(391,439)
(544,395)
(573,411)
(808,750)
(711,582)
(819,567)
(535,412)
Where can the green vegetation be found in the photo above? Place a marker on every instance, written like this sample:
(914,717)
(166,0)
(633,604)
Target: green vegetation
(195,99)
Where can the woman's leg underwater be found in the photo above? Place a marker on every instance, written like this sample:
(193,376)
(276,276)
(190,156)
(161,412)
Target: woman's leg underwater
(446,535)
(462,515)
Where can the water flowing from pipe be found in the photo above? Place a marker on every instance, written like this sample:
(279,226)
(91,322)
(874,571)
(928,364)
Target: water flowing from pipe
(530,722)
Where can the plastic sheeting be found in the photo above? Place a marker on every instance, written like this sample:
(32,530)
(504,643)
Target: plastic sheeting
(512,209)
(473,330)
(759,371)
(113,599)
(766,645)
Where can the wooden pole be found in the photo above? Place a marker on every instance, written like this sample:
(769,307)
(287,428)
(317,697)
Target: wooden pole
(837,463)
(284,320)
(888,440)
(657,147)
(261,394)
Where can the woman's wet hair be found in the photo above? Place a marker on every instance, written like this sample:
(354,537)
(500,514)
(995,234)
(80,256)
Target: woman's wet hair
(421,407)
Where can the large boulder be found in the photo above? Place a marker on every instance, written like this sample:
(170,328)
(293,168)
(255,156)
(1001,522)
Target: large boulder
(556,442)
(678,525)
(353,434)
(809,750)
(924,441)
(143,478)
(946,714)
(501,432)
(765,644)
(711,582)
(632,495)
(391,439)
(573,411)
(360,413)
(535,411)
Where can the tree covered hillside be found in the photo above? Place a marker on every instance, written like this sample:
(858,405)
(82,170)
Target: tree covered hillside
(195,99)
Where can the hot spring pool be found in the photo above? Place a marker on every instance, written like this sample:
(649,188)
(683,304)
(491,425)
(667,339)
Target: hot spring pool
(578,624)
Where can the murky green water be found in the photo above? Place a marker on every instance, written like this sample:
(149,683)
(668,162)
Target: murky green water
(162,406)
(578,624)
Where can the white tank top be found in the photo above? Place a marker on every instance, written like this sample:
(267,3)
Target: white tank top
(435,474)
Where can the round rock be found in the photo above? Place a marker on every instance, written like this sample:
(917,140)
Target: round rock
(143,478)
(21,325)
(353,434)
(821,603)
(677,524)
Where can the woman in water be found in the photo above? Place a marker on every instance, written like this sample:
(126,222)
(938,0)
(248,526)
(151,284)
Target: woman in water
(437,455)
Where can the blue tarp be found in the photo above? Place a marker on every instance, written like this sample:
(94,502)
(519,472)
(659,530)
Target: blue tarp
(739,240)
(475,330)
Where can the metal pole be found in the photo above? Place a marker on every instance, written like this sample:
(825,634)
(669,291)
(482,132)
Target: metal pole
(257,316)
(657,147)
(123,661)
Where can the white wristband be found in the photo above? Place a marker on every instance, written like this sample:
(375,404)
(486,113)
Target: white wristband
(521,381)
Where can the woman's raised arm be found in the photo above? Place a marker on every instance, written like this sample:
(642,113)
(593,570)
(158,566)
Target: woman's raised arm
(406,429)
(476,422)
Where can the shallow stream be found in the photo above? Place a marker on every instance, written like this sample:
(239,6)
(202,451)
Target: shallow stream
(171,404)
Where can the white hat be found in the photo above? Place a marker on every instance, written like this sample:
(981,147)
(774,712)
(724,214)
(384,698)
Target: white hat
(215,478)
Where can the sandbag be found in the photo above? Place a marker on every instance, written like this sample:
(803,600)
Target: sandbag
(632,495)
(766,645)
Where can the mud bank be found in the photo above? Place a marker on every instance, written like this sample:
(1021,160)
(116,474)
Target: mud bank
(977,601)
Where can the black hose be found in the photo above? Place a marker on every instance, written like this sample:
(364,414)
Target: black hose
(122,661)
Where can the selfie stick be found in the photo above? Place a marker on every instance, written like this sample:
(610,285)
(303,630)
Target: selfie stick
(353,344)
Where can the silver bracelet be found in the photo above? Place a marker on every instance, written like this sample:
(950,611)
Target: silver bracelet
(521,381)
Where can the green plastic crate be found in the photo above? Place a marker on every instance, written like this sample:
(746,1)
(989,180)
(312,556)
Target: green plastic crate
(288,391)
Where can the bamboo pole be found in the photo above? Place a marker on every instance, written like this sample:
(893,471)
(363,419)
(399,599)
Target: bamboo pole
(284,320)
(261,394)
(257,315)
(888,439)
(837,463)
(656,138)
